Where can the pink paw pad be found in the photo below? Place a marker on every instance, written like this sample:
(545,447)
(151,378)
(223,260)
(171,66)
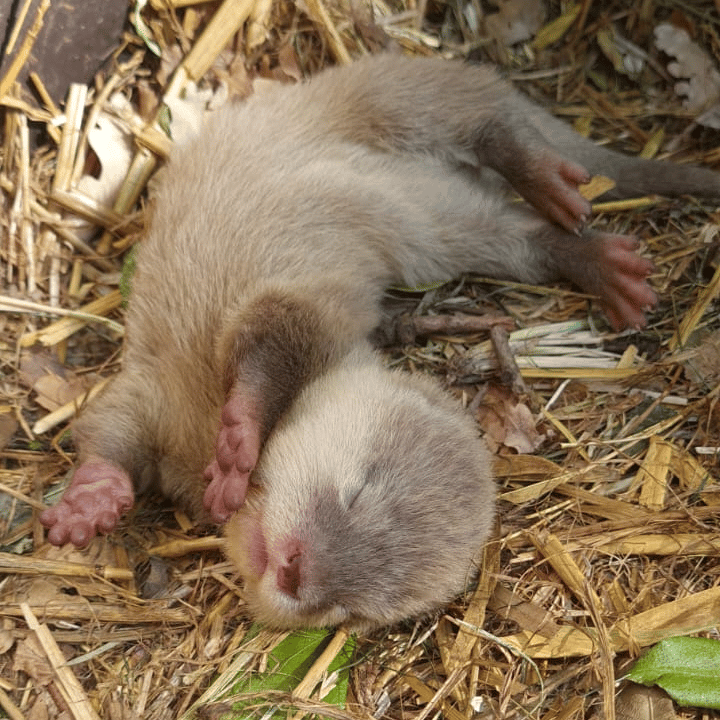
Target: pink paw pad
(237,450)
(625,292)
(98,494)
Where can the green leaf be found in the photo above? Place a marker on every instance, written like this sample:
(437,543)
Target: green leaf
(142,28)
(288,664)
(687,668)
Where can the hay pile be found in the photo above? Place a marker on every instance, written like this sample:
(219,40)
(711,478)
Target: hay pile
(607,455)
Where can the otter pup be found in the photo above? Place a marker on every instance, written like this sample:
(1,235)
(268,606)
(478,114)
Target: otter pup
(272,239)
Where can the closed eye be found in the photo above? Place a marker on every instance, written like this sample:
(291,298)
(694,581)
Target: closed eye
(369,478)
(355,496)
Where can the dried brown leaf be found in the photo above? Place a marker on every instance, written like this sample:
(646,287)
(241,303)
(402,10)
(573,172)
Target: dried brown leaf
(703,366)
(30,659)
(8,426)
(700,85)
(515,20)
(7,640)
(36,364)
(508,422)
(41,711)
(637,702)
(54,391)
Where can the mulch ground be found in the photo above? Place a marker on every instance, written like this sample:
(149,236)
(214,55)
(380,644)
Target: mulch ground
(606,452)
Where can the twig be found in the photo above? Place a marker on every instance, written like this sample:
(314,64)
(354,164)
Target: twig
(409,327)
(24,52)
(509,371)
(69,686)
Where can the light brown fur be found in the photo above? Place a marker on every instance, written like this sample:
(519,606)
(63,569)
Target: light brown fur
(391,499)
(272,240)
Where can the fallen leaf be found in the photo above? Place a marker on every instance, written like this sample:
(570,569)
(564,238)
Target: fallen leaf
(231,73)
(41,590)
(507,422)
(54,391)
(142,28)
(8,426)
(40,709)
(290,661)
(36,363)
(54,384)
(598,185)
(7,640)
(637,702)
(171,57)
(701,84)
(555,29)
(372,34)
(288,64)
(114,149)
(686,667)
(515,21)
(30,659)
(703,365)
(156,583)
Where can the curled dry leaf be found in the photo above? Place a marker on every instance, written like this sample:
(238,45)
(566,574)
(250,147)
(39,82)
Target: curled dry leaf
(54,384)
(30,659)
(7,640)
(114,149)
(701,80)
(703,367)
(8,426)
(508,422)
(515,21)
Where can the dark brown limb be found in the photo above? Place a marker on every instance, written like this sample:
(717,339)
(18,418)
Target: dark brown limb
(280,344)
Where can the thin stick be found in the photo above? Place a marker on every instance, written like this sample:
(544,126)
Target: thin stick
(12,710)
(18,26)
(66,411)
(178,548)
(694,315)
(25,225)
(74,109)
(319,667)
(604,651)
(67,683)
(28,565)
(32,502)
(53,131)
(510,375)
(320,15)
(11,304)
(23,53)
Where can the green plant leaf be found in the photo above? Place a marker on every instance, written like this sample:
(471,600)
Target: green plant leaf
(142,28)
(687,668)
(288,664)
